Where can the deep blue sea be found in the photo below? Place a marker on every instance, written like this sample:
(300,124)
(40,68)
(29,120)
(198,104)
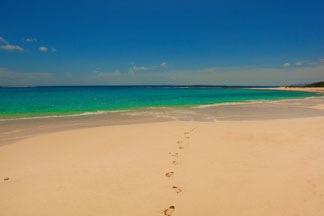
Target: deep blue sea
(45,101)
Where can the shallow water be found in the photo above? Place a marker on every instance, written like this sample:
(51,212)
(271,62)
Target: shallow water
(12,130)
(47,101)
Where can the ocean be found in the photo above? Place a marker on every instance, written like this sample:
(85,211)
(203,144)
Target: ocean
(24,102)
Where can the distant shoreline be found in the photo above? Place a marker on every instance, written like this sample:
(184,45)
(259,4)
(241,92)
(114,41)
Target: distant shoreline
(308,89)
(146,86)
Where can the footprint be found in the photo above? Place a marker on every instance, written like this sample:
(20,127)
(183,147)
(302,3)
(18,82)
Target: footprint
(169,174)
(175,163)
(185,133)
(179,142)
(187,137)
(192,129)
(169,211)
(181,147)
(176,189)
(175,155)
(6,179)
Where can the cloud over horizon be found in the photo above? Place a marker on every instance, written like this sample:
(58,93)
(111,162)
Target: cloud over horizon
(299,63)
(8,46)
(43,49)
(231,75)
(10,78)
(135,68)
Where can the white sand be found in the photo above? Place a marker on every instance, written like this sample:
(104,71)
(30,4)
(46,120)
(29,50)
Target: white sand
(248,168)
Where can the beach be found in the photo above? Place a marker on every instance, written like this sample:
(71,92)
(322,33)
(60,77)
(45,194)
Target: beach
(161,108)
(250,159)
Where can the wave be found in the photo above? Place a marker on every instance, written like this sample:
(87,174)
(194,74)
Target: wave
(100,112)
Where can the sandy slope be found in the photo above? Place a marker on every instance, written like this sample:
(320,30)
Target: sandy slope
(243,168)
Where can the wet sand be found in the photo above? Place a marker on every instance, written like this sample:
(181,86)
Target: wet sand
(14,130)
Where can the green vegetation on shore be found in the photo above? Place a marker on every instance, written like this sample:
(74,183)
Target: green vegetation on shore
(316,84)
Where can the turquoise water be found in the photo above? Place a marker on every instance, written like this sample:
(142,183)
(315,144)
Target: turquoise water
(44,101)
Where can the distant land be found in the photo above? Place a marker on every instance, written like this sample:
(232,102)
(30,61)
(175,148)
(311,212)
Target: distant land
(316,84)
(148,86)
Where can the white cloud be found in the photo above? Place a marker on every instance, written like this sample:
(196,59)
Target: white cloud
(3,40)
(98,73)
(108,74)
(53,50)
(138,68)
(96,70)
(286,64)
(30,39)
(310,62)
(135,68)
(43,49)
(238,75)
(8,46)
(11,47)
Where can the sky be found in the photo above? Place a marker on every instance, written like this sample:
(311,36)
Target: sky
(169,42)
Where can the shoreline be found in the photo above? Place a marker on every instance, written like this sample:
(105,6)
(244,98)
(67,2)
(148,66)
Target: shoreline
(14,130)
(99,112)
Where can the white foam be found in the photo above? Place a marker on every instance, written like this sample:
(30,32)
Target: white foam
(68,115)
(229,103)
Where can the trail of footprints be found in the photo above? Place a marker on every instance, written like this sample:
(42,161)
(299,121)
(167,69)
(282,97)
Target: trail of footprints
(169,211)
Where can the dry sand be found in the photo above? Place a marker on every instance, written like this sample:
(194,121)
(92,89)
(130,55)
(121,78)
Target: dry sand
(319,106)
(246,168)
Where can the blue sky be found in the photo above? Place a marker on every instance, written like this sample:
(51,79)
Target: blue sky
(161,42)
